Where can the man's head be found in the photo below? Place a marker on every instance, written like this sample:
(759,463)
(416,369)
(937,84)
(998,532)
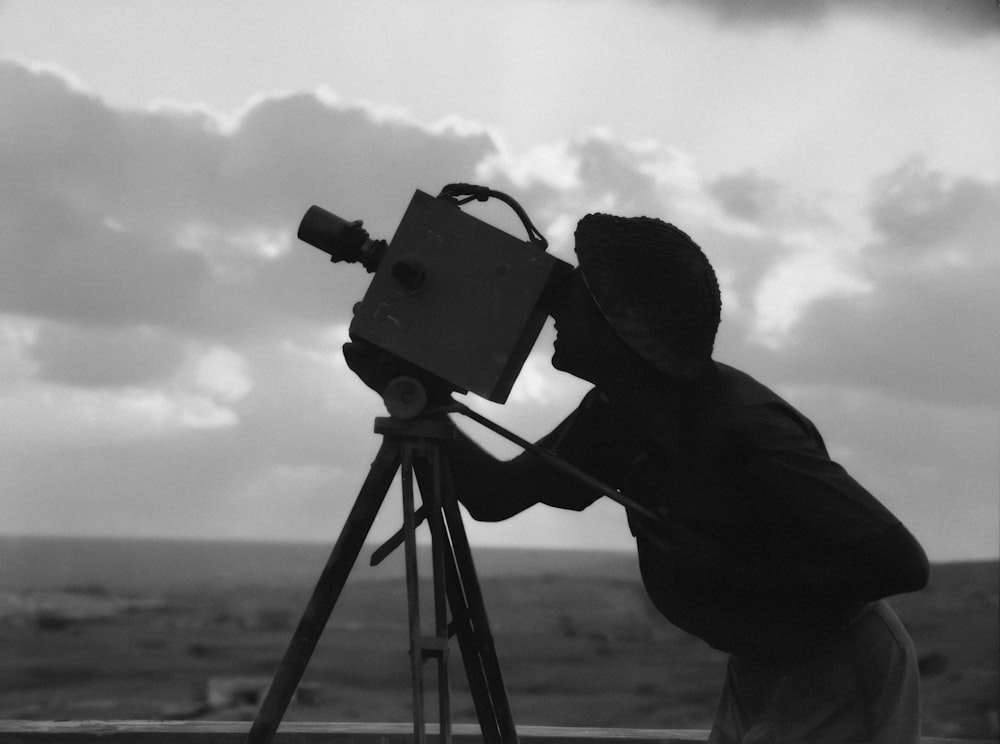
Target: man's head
(653,286)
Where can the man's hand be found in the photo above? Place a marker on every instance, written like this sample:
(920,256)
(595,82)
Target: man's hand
(377,368)
(373,366)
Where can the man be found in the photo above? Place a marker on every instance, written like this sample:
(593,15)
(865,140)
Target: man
(764,547)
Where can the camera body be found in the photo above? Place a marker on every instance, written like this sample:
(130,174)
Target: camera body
(456,297)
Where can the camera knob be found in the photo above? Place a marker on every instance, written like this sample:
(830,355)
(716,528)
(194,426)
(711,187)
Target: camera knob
(404,398)
(409,274)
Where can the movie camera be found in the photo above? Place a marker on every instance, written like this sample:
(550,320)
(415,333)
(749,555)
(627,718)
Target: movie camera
(452,297)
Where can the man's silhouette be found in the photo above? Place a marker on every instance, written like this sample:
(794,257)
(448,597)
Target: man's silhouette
(765,548)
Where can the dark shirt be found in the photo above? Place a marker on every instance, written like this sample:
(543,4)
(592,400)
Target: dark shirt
(764,545)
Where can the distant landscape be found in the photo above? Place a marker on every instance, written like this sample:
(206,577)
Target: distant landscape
(117,629)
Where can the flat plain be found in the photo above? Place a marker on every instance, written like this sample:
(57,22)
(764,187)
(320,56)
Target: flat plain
(111,629)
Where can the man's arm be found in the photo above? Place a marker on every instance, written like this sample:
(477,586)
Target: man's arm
(493,489)
(891,563)
(839,539)
(811,530)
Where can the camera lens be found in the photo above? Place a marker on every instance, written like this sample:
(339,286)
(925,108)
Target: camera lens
(343,240)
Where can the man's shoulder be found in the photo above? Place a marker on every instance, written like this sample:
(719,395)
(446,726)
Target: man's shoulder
(735,388)
(747,404)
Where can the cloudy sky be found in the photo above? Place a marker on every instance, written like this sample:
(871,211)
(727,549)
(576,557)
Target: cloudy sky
(170,353)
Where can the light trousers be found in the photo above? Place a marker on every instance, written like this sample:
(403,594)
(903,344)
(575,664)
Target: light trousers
(862,687)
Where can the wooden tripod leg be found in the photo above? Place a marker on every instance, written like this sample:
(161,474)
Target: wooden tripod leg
(413,596)
(328,587)
(482,667)
(429,477)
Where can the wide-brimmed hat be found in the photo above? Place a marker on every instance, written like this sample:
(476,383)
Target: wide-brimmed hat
(655,286)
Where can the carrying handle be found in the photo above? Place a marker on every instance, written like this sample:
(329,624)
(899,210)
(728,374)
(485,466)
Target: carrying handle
(463,193)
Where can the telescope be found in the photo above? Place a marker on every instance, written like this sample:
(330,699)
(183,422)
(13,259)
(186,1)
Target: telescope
(452,296)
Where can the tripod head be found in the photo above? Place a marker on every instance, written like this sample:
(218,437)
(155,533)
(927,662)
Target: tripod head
(405,398)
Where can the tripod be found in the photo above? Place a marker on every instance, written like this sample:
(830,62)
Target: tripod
(413,448)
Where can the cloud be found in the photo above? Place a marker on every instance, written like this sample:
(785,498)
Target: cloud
(899,297)
(155,306)
(923,337)
(599,172)
(922,214)
(746,196)
(170,353)
(967,18)
(105,358)
(929,321)
(144,205)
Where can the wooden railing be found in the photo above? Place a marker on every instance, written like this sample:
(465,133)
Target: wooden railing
(234,732)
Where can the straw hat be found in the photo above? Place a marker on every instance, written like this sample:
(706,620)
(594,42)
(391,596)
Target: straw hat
(655,286)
